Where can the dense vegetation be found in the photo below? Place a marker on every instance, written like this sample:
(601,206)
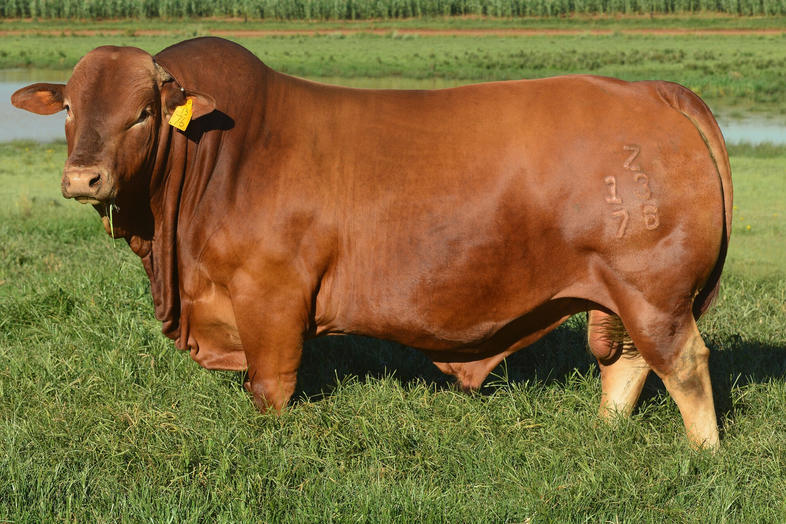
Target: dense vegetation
(102,419)
(367,9)
(748,70)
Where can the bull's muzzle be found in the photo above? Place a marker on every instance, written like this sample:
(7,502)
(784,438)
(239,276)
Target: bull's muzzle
(88,185)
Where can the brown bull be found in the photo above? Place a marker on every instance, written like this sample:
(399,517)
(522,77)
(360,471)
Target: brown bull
(466,222)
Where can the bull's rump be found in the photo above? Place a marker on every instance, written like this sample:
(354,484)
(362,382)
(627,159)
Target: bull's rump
(468,208)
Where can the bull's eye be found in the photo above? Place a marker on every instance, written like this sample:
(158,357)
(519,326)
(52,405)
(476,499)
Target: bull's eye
(67,109)
(144,115)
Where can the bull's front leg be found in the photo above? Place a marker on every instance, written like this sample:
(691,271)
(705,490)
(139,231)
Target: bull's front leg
(271,322)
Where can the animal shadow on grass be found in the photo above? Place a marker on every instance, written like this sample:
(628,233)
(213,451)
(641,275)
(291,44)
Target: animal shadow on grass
(331,360)
(736,362)
(328,361)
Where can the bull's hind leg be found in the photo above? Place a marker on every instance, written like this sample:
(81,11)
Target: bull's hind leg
(674,349)
(622,374)
(689,385)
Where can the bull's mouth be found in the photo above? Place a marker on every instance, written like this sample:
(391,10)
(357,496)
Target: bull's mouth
(87,200)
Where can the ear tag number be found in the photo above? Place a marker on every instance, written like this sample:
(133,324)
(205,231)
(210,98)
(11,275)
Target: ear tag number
(181,116)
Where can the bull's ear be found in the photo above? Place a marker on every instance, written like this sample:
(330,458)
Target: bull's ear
(201,104)
(171,97)
(44,99)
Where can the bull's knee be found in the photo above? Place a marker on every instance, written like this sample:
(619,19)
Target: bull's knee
(687,369)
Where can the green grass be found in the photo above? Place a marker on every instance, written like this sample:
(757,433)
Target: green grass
(759,214)
(101,418)
(746,71)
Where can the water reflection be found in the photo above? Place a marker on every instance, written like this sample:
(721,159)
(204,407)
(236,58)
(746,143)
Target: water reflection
(754,130)
(16,124)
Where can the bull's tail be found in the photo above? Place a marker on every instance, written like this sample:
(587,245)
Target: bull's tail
(695,110)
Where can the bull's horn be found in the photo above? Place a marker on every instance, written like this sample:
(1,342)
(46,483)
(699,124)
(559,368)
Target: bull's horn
(163,75)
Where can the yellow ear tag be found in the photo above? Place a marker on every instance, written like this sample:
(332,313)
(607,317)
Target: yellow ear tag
(181,116)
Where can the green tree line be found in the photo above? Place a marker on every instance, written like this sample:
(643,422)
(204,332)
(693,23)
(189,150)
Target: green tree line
(366,9)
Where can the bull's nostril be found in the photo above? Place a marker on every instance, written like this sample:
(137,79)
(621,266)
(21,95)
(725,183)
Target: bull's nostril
(95,181)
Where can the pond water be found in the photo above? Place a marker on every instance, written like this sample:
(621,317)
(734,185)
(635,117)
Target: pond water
(16,124)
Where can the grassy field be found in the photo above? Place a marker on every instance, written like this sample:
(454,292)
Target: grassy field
(747,71)
(102,419)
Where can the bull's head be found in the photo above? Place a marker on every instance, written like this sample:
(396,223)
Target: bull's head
(118,101)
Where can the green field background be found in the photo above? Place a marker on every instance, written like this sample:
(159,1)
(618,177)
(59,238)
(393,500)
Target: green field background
(743,71)
(102,419)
